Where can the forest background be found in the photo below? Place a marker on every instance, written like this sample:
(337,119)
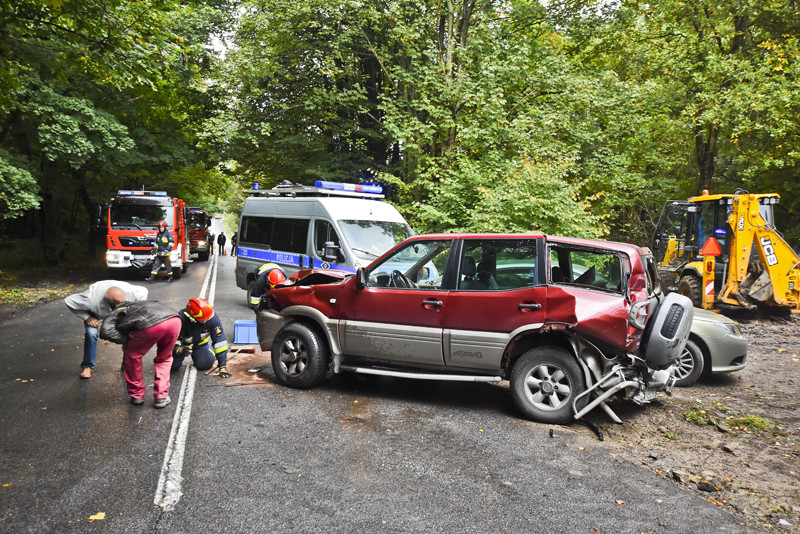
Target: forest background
(569,117)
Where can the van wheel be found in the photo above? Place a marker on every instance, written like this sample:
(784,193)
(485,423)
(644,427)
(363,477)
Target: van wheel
(545,382)
(689,365)
(299,356)
(177,272)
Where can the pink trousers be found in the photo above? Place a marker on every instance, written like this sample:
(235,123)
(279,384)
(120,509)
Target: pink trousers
(164,335)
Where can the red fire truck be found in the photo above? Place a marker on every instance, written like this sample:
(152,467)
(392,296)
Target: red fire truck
(133,218)
(199,221)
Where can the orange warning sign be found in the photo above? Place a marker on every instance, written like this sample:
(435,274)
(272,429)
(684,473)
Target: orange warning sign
(711,248)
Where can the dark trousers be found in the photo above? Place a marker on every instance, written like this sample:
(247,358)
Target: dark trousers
(158,262)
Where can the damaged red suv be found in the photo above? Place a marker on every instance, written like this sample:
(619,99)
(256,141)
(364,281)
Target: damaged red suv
(568,322)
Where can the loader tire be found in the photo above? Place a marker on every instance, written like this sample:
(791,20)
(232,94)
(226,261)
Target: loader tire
(692,287)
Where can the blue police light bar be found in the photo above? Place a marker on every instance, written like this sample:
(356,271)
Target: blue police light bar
(126,193)
(359,188)
(256,185)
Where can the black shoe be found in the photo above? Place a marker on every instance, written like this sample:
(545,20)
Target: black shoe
(169,280)
(149,278)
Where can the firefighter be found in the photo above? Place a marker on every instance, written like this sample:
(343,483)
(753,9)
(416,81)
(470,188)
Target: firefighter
(201,338)
(268,276)
(162,247)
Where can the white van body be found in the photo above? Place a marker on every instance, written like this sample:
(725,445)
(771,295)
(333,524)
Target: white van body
(292,225)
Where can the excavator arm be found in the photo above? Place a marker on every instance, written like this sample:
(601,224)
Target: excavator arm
(777,278)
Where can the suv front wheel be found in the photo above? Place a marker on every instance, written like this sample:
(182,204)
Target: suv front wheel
(299,356)
(544,382)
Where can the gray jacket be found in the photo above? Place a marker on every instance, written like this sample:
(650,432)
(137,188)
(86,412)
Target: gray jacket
(93,302)
(130,316)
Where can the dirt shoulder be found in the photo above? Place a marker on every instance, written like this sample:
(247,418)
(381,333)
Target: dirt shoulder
(732,439)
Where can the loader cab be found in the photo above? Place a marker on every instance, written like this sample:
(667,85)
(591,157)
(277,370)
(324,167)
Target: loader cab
(685,226)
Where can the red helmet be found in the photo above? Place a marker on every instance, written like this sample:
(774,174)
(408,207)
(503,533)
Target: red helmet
(162,225)
(275,277)
(199,310)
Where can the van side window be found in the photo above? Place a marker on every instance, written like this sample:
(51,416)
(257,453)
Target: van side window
(323,232)
(290,235)
(256,230)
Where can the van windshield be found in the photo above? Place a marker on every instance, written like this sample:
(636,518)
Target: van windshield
(370,239)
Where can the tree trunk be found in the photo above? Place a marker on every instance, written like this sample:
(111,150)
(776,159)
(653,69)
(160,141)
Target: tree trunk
(706,154)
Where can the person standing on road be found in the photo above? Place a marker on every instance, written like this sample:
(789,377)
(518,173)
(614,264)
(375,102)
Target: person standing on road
(211,241)
(162,247)
(268,276)
(221,242)
(94,305)
(234,243)
(137,326)
(202,338)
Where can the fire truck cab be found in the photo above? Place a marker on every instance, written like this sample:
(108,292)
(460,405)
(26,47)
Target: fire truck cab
(133,218)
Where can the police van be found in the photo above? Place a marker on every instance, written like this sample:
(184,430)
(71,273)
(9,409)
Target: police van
(329,225)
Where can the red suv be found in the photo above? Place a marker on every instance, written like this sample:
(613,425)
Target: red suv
(569,322)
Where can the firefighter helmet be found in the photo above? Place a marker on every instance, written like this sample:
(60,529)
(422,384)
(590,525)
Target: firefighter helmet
(199,310)
(275,277)
(162,226)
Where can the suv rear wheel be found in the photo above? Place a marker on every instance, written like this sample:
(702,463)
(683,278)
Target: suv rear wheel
(544,382)
(299,356)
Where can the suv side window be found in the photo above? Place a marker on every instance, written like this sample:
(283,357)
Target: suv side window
(600,269)
(492,264)
(418,265)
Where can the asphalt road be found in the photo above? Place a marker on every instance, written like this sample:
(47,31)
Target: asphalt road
(359,454)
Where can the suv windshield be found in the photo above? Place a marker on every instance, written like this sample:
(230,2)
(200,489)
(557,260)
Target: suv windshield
(370,239)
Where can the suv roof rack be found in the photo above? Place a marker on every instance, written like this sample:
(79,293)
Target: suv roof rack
(319,189)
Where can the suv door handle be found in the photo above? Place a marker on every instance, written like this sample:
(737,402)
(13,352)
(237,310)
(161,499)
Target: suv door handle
(530,306)
(432,303)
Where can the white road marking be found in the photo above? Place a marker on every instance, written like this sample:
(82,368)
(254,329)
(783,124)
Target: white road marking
(169,489)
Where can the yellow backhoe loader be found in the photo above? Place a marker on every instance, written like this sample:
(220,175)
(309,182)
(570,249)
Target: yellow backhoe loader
(755,266)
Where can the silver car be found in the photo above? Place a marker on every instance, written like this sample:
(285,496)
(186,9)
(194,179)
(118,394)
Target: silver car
(715,345)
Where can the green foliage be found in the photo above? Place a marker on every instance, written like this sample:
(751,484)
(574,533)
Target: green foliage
(97,96)
(17,187)
(578,117)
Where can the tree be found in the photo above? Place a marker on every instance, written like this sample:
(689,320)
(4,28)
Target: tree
(94,90)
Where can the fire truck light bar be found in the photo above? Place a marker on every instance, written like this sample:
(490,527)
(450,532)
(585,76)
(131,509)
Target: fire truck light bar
(127,193)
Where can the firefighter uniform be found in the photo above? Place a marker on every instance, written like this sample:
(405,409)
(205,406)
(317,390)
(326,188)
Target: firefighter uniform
(205,342)
(262,283)
(162,247)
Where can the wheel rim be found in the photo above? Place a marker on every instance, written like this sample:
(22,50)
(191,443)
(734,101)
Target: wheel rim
(685,365)
(294,356)
(548,387)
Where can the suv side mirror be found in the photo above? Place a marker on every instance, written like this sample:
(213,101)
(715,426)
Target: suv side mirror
(361,278)
(331,252)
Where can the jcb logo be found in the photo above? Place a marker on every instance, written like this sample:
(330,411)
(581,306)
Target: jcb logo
(769,251)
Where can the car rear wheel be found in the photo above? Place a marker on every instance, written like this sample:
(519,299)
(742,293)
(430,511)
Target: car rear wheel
(689,366)
(544,383)
(299,356)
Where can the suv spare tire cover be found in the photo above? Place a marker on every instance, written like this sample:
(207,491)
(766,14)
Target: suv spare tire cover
(667,331)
